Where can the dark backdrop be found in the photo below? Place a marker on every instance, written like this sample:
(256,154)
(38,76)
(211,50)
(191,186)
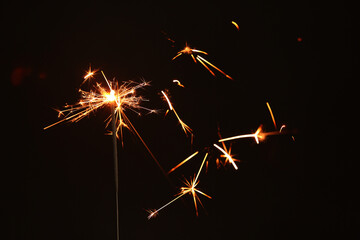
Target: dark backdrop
(298,56)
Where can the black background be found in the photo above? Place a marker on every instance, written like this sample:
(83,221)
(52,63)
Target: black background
(58,183)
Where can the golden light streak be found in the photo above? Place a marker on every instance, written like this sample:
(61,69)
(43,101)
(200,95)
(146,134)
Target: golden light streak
(185,127)
(257,135)
(178,83)
(168,100)
(271,113)
(203,61)
(184,161)
(227,155)
(190,187)
(235,24)
(284,126)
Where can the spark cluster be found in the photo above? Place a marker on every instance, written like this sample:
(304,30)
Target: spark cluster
(122,97)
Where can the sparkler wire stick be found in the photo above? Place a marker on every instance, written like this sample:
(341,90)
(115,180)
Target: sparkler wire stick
(116,167)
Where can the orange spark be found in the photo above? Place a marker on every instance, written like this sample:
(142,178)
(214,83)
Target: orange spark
(178,83)
(191,51)
(202,60)
(184,161)
(271,113)
(235,24)
(257,135)
(227,159)
(190,187)
(185,127)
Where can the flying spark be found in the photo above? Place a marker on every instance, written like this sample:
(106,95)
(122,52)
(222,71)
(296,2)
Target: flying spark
(203,61)
(185,127)
(124,97)
(272,115)
(227,156)
(189,188)
(235,24)
(257,135)
(184,161)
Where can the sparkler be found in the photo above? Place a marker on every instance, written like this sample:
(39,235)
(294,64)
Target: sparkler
(273,119)
(122,98)
(185,127)
(119,98)
(187,159)
(203,61)
(190,187)
(235,24)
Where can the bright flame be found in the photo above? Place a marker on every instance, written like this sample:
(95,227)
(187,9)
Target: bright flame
(111,97)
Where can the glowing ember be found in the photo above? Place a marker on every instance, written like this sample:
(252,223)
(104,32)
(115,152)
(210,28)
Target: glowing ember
(124,97)
(235,24)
